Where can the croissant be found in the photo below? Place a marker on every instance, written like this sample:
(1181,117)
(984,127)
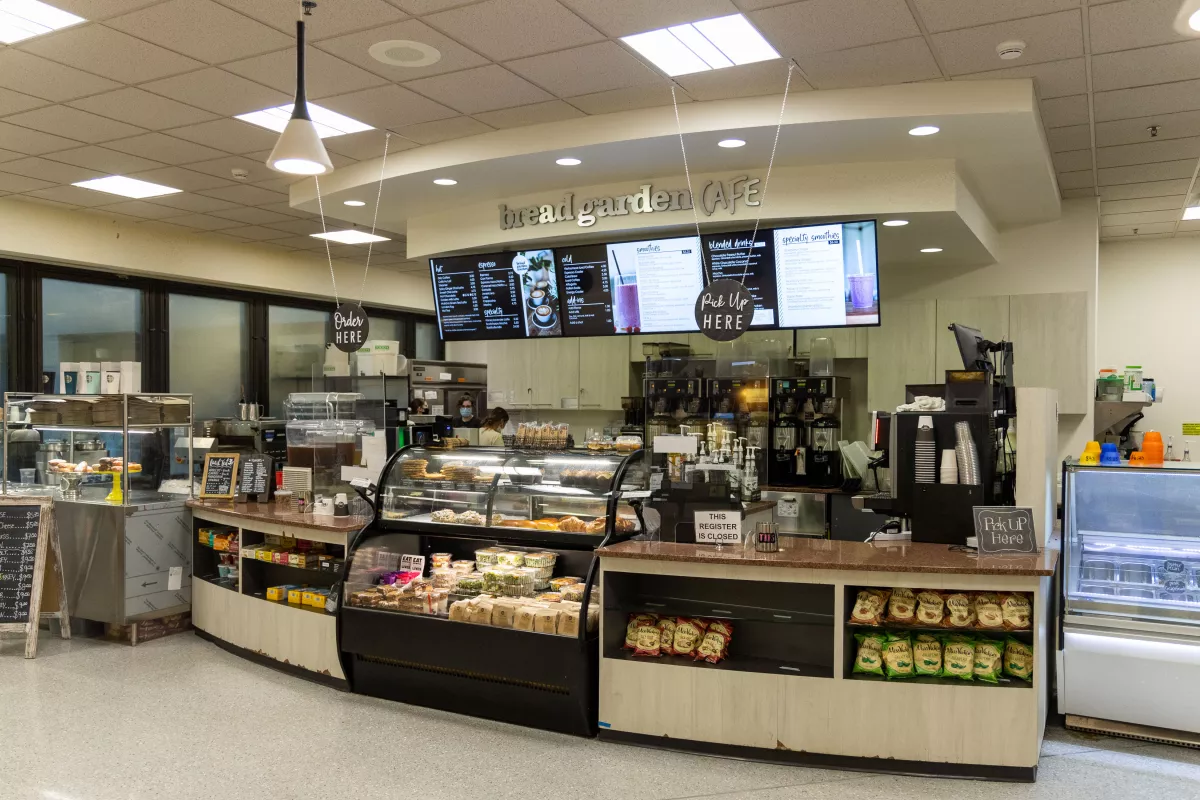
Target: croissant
(595,526)
(572,525)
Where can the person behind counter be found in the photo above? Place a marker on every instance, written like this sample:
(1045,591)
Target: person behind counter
(466,413)
(418,406)
(490,429)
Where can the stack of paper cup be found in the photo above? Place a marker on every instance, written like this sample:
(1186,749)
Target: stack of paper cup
(925,452)
(949,467)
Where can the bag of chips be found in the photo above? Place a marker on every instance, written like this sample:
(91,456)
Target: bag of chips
(713,647)
(724,627)
(688,633)
(960,611)
(635,622)
(898,656)
(927,655)
(958,657)
(988,613)
(649,641)
(869,607)
(1018,659)
(931,608)
(989,659)
(1017,611)
(902,606)
(869,659)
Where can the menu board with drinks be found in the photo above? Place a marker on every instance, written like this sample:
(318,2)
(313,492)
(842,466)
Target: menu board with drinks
(812,276)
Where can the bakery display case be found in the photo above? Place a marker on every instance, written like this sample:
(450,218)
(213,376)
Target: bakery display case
(476,589)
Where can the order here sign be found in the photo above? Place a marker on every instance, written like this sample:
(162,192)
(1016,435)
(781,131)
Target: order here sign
(718,527)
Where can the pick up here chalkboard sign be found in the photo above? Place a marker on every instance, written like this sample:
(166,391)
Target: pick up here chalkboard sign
(1004,529)
(724,310)
(219,478)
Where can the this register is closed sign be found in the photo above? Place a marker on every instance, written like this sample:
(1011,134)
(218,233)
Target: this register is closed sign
(718,527)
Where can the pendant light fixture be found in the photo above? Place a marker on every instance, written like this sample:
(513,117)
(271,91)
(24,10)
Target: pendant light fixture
(299,150)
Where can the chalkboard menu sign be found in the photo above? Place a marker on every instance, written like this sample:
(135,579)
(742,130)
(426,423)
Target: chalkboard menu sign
(256,476)
(220,475)
(19,526)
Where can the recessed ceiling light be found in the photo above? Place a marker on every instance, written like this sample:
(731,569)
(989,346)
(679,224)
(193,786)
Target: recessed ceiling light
(924,130)
(895,223)
(731,143)
(404,53)
(1192,212)
(702,46)
(568,162)
(931,249)
(358,203)
(328,123)
(127,187)
(351,236)
(445,181)
(24,19)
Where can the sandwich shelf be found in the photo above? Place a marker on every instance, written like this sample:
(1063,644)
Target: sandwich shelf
(483,600)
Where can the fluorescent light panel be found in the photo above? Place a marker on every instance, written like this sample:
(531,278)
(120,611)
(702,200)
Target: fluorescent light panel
(1192,212)
(24,19)
(328,123)
(351,237)
(701,46)
(127,187)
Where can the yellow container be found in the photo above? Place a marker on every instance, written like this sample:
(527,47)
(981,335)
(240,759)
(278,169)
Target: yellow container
(295,596)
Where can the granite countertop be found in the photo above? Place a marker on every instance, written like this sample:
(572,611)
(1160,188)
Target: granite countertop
(805,553)
(267,513)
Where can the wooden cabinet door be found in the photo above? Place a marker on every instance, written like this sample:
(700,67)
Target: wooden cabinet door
(988,315)
(554,372)
(509,378)
(900,351)
(1049,336)
(604,370)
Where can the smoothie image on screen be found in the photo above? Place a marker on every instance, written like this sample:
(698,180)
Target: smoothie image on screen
(627,314)
(859,261)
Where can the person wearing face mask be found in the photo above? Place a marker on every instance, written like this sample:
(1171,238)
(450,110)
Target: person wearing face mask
(466,413)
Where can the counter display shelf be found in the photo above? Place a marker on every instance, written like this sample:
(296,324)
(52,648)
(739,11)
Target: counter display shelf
(802,659)
(497,620)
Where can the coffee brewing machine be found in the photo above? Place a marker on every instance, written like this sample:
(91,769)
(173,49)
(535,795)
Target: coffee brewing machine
(739,409)
(671,402)
(805,427)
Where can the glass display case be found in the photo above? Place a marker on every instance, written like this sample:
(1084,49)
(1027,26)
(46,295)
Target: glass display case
(475,590)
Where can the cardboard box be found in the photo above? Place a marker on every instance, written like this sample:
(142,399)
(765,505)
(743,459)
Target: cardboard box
(295,595)
(131,377)
(89,376)
(68,377)
(110,377)
(278,593)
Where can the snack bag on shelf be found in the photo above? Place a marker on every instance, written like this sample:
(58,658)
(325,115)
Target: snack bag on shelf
(931,608)
(869,659)
(666,635)
(1018,659)
(902,606)
(479,610)
(649,641)
(898,656)
(523,621)
(960,611)
(504,612)
(958,657)
(927,655)
(724,627)
(568,622)
(989,659)
(869,607)
(988,613)
(545,620)
(688,633)
(713,647)
(635,622)
(1017,611)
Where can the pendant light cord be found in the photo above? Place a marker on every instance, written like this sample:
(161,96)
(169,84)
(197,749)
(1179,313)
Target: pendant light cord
(687,173)
(362,292)
(328,254)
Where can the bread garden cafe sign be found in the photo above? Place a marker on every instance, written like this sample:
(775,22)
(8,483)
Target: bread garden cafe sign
(714,196)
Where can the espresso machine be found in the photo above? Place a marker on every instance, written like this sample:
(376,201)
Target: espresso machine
(805,429)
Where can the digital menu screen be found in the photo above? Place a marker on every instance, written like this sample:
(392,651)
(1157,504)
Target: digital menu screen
(827,275)
(655,285)
(748,259)
(497,295)
(587,303)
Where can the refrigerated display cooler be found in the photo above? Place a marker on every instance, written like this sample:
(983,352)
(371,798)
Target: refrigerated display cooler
(1130,638)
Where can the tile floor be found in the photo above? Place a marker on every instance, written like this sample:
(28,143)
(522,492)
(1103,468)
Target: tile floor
(179,718)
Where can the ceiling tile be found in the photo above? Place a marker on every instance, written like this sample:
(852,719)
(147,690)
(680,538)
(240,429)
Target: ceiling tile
(1076,180)
(20,183)
(1053,79)
(1175,201)
(821,26)
(193,202)
(755,5)
(180,178)
(9,155)
(252,216)
(365,145)
(534,114)
(299,227)
(625,17)
(167,149)
(25,72)
(443,130)
(75,196)
(326,74)
(482,89)
(140,208)
(1072,160)
(354,47)
(1161,171)
(748,80)
(627,99)
(944,15)
(110,54)
(1133,23)
(1059,112)
(219,92)
(223,168)
(506,29)
(231,135)
(1141,217)
(67,121)
(388,107)
(1071,194)
(302,243)
(1048,38)
(877,65)
(203,30)
(285,208)
(1142,230)
(1072,137)
(1148,152)
(1147,100)
(101,9)
(1132,131)
(141,108)
(1147,65)
(203,221)
(46,170)
(257,233)
(246,195)
(1188,226)
(585,70)
(1131,191)
(339,17)
(31,142)
(11,102)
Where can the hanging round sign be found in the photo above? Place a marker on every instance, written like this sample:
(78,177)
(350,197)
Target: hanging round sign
(350,327)
(724,310)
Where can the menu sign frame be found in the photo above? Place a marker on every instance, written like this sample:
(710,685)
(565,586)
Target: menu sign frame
(219,479)
(27,530)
